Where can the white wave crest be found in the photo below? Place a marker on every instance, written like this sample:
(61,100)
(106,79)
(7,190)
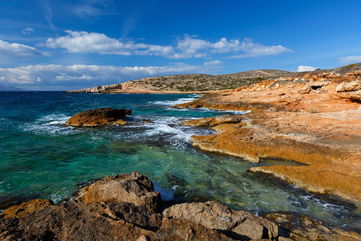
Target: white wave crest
(49,124)
(174,102)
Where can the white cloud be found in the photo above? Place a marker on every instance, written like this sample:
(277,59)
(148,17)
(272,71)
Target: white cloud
(15,50)
(84,42)
(350,59)
(90,75)
(27,30)
(213,62)
(305,68)
(187,47)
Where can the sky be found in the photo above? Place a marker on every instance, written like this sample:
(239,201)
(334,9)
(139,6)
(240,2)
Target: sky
(71,44)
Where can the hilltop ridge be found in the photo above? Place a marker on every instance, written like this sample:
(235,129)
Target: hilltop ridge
(191,83)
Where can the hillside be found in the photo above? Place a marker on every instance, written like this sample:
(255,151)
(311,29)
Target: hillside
(203,82)
(189,82)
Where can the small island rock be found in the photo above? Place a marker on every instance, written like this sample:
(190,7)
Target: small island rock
(99,117)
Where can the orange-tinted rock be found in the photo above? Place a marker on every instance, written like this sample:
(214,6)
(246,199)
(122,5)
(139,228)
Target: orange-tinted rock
(311,118)
(304,228)
(26,208)
(129,188)
(216,216)
(213,121)
(99,117)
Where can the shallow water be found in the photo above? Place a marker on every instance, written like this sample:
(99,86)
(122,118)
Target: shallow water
(42,158)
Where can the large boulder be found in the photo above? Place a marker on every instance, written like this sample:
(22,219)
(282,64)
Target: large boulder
(219,217)
(125,188)
(99,117)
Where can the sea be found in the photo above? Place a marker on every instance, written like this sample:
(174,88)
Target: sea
(42,158)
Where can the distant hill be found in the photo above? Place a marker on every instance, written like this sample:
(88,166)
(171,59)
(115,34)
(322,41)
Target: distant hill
(186,83)
(189,82)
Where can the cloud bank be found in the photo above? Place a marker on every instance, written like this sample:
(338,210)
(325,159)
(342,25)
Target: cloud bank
(17,50)
(186,47)
(90,75)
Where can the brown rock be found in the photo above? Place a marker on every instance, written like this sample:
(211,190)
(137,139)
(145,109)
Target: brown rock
(99,117)
(216,216)
(304,228)
(174,229)
(26,208)
(130,188)
(72,221)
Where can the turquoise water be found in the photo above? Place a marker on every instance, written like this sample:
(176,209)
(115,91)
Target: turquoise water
(42,158)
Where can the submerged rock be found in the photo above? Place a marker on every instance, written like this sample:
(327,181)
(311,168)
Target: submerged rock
(99,117)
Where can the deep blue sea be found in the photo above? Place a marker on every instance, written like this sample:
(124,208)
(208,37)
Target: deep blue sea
(41,158)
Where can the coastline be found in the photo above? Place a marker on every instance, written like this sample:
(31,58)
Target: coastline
(309,120)
(230,124)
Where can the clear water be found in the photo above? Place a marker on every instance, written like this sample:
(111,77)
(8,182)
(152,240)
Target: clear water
(39,157)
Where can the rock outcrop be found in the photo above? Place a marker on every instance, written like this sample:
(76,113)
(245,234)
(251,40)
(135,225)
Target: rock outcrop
(99,117)
(219,217)
(119,208)
(312,118)
(126,188)
(302,228)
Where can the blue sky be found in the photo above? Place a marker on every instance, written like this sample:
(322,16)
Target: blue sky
(62,44)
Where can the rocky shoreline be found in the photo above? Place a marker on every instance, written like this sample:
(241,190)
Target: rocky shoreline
(126,207)
(312,119)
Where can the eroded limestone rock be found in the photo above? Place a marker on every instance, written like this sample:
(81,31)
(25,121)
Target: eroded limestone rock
(129,188)
(216,216)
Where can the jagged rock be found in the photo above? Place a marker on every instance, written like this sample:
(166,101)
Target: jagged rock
(72,221)
(348,86)
(184,230)
(304,228)
(26,207)
(216,216)
(99,117)
(130,188)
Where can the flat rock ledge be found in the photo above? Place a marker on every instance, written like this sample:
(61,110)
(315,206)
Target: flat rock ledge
(126,207)
(99,118)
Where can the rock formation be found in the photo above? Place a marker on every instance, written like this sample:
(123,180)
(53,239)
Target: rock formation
(125,207)
(312,118)
(99,117)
